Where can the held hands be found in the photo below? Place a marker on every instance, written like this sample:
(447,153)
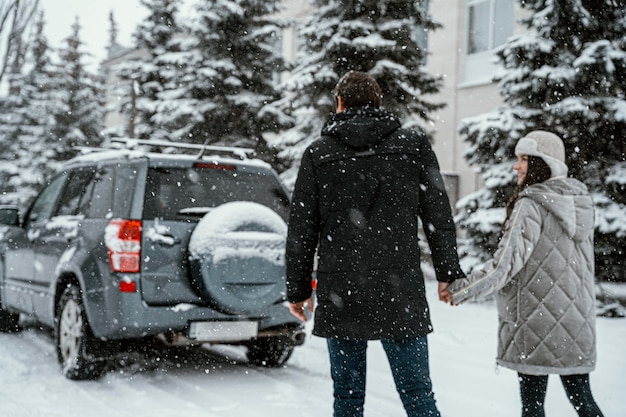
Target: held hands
(297,309)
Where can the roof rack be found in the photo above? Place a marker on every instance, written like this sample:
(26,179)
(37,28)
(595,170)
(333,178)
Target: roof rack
(242,153)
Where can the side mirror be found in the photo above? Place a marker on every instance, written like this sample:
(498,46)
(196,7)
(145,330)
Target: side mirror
(9,216)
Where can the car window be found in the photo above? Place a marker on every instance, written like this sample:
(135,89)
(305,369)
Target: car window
(111,191)
(102,193)
(75,196)
(175,193)
(124,189)
(43,206)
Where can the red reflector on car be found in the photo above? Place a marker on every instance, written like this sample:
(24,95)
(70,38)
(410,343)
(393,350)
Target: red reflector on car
(209,165)
(125,262)
(128,286)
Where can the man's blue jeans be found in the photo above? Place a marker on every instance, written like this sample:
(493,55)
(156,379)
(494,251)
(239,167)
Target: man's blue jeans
(408,360)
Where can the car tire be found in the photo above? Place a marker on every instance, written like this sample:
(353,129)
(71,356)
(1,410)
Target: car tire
(74,340)
(237,257)
(270,352)
(9,322)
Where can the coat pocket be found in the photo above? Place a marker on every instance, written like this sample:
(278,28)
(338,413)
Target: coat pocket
(507,301)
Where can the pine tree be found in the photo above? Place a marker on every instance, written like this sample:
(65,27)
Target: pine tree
(223,87)
(12,113)
(566,75)
(378,37)
(78,116)
(114,31)
(26,123)
(157,39)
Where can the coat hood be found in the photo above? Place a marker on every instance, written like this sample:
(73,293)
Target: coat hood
(568,201)
(361,127)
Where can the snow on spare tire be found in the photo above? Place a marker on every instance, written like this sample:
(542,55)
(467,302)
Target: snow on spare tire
(237,255)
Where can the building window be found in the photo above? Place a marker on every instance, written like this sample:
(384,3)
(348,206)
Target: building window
(489,24)
(276,42)
(420,35)
(452,183)
(421,39)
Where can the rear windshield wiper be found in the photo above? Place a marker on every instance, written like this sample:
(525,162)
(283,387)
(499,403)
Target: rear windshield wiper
(194,211)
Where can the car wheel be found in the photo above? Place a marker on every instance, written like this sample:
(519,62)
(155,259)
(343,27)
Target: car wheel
(73,339)
(9,321)
(270,352)
(237,257)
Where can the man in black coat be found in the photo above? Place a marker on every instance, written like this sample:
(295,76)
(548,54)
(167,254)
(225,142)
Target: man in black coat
(359,193)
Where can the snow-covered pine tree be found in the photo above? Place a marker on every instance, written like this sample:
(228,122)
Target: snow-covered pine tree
(567,74)
(157,39)
(378,37)
(224,90)
(114,31)
(25,159)
(12,111)
(79,111)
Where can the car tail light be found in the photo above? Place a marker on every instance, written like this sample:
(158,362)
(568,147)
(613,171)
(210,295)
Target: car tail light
(123,242)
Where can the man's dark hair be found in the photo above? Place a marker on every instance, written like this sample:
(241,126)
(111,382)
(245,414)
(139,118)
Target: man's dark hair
(359,89)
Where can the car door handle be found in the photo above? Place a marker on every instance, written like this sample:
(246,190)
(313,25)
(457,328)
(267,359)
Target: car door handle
(162,239)
(168,240)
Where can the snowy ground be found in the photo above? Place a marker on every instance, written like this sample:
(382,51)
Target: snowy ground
(213,385)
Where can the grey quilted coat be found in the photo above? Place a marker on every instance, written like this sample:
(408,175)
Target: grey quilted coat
(543,273)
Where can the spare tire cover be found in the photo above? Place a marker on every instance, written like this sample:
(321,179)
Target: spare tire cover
(237,257)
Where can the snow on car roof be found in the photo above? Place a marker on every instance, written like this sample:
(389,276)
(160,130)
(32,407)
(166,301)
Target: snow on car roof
(95,155)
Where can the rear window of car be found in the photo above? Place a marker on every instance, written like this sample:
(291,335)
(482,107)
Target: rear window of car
(112,191)
(184,193)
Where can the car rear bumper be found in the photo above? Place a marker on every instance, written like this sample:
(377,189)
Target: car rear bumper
(135,319)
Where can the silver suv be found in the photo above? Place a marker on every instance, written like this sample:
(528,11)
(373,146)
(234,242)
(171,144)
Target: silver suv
(134,245)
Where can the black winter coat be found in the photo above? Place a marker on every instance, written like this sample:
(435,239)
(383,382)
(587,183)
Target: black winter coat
(357,199)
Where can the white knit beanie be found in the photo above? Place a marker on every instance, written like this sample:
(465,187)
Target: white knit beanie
(548,147)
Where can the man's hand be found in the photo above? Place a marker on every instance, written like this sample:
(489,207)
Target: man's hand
(297,309)
(444,294)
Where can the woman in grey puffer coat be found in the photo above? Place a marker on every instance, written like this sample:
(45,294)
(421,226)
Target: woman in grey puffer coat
(543,276)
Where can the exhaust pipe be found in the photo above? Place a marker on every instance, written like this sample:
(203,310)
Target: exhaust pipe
(298,337)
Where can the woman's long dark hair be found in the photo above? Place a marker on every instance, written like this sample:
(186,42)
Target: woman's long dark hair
(538,171)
